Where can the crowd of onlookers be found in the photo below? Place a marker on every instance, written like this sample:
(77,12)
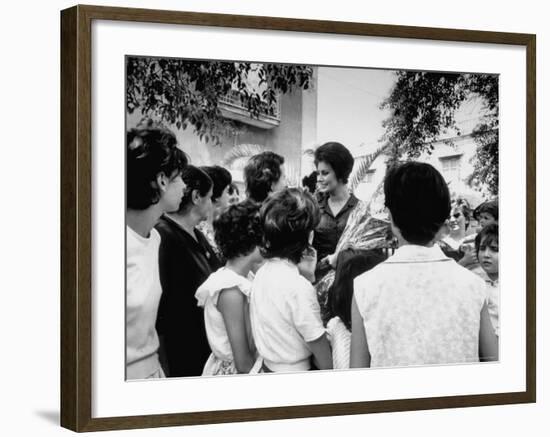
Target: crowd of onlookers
(281,279)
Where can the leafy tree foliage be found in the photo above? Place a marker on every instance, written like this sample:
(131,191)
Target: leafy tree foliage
(423,105)
(186,93)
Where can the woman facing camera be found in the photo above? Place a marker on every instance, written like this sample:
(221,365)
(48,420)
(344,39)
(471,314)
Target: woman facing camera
(334,164)
(153,186)
(419,306)
(185,260)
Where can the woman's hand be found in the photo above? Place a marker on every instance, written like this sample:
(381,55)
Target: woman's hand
(306,266)
(330,259)
(470,256)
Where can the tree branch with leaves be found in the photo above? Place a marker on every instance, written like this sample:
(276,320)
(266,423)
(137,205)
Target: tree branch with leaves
(423,105)
(187,92)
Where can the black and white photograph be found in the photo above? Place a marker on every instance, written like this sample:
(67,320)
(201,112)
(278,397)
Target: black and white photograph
(294,218)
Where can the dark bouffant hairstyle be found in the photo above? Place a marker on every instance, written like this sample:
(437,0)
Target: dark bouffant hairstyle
(310,181)
(220,177)
(418,198)
(262,171)
(151,149)
(490,207)
(195,180)
(288,217)
(338,157)
(238,230)
(487,235)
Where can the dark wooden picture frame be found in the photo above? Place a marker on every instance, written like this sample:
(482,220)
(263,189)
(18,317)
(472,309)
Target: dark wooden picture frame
(76,217)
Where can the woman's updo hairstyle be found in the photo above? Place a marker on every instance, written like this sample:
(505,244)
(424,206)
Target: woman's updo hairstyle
(195,180)
(261,172)
(151,149)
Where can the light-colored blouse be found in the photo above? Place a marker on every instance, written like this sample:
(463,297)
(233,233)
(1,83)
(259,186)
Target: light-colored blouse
(284,315)
(420,307)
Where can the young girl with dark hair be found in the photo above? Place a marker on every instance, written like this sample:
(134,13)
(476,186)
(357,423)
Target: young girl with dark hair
(487,213)
(284,310)
(225,294)
(351,263)
(153,186)
(486,247)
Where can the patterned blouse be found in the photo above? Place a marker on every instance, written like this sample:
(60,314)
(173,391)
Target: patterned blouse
(420,307)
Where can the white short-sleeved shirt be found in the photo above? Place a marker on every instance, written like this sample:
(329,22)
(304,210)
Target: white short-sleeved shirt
(285,315)
(207,296)
(420,307)
(143,291)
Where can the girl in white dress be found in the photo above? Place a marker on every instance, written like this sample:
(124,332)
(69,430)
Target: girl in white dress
(225,294)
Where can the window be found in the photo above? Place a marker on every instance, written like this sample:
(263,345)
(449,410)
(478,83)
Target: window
(450,166)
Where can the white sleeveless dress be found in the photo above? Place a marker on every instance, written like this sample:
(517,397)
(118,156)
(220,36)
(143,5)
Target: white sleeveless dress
(221,361)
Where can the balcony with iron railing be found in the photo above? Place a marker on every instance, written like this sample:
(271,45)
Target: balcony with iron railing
(232,108)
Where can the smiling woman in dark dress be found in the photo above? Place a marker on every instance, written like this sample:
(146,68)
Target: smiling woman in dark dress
(334,163)
(185,261)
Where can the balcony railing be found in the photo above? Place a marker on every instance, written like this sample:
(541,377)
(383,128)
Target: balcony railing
(232,108)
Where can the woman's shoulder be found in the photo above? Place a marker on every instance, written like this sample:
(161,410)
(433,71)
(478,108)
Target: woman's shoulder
(474,277)
(222,279)
(376,274)
(170,232)
(165,224)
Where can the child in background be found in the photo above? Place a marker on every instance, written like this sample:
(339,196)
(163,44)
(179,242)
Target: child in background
(225,294)
(487,253)
(350,264)
(487,213)
(284,311)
